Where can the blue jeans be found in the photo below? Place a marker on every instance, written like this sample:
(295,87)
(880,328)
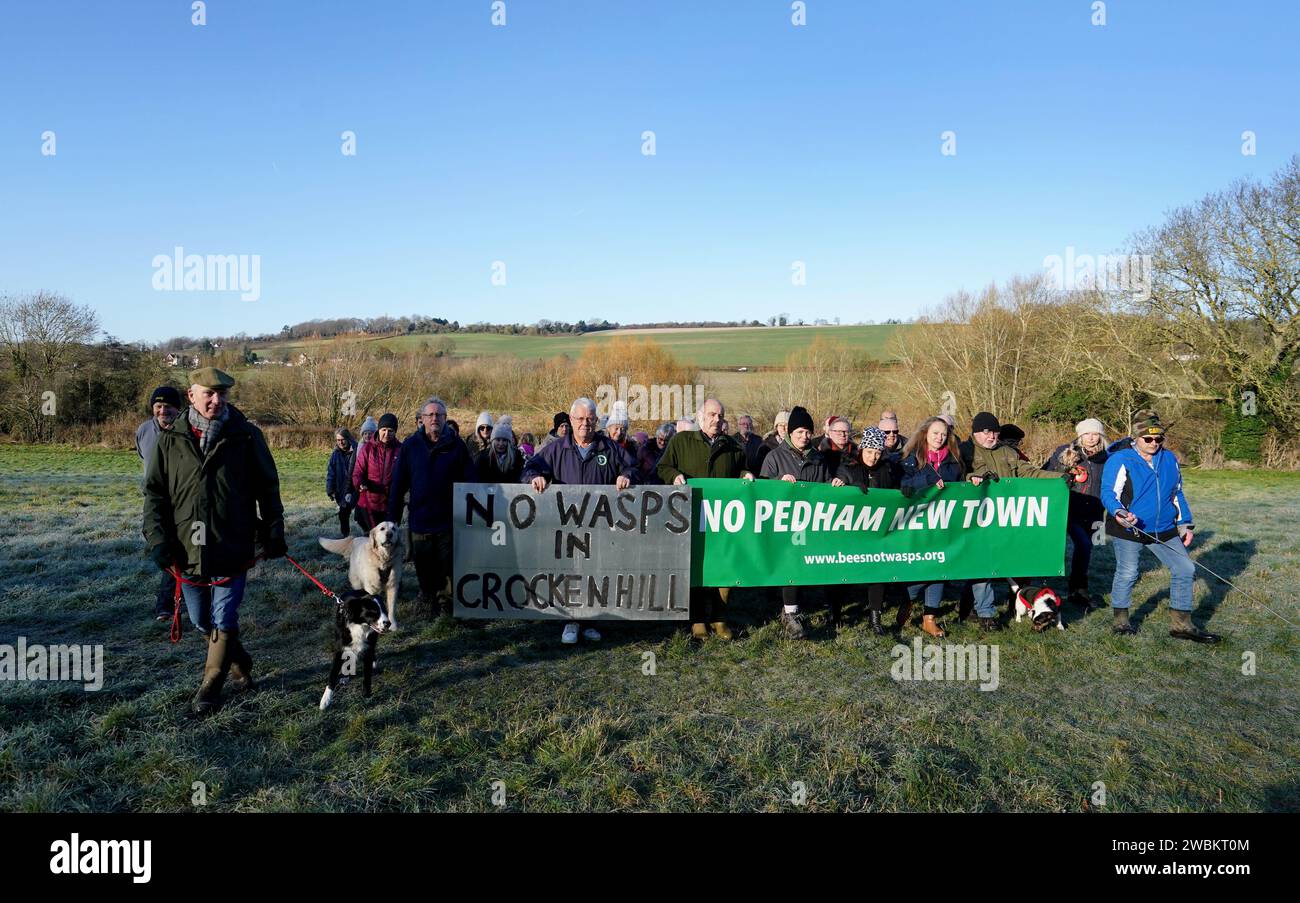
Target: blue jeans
(985,605)
(933,593)
(215,606)
(1172,555)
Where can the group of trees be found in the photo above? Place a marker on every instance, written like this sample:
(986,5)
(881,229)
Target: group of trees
(53,374)
(422,325)
(1213,339)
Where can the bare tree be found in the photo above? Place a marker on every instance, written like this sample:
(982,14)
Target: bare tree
(42,335)
(1226,284)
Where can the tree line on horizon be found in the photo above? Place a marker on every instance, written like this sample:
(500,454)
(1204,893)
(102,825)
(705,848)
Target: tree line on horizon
(1214,344)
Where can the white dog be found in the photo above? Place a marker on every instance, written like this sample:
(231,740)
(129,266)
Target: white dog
(374,563)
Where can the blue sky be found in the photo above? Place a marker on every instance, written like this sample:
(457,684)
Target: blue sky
(522,143)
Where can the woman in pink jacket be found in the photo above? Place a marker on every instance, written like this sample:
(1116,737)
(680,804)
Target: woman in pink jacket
(373,473)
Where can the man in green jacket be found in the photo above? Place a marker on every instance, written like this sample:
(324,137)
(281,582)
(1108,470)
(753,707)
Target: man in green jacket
(986,456)
(212,495)
(705,452)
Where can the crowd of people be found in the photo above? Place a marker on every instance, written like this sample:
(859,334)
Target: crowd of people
(212,495)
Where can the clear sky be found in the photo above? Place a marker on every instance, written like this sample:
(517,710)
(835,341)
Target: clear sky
(522,143)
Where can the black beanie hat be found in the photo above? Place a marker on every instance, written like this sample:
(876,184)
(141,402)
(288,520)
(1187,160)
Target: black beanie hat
(799,418)
(558,419)
(1011,434)
(165,394)
(388,421)
(984,421)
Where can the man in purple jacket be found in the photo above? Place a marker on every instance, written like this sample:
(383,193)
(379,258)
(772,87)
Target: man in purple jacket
(429,468)
(584,457)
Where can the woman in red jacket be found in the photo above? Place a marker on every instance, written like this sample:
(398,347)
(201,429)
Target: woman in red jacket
(373,473)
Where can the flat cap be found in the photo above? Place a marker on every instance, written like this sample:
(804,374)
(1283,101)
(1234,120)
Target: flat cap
(211,378)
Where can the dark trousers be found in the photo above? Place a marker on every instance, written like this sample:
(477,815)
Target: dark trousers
(1081,538)
(366,519)
(165,602)
(839,595)
(707,605)
(345,518)
(432,555)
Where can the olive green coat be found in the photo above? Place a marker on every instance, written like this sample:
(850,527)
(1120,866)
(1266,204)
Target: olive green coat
(690,454)
(211,510)
(1004,462)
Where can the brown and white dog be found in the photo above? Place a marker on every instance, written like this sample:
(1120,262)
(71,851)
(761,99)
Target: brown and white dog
(374,563)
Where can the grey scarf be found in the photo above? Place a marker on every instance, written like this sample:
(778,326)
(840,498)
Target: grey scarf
(210,429)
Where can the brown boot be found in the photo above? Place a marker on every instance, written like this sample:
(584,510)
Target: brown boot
(720,628)
(904,614)
(699,632)
(241,664)
(931,626)
(208,697)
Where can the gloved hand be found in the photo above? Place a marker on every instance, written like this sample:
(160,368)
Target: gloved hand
(332,497)
(275,547)
(990,477)
(347,500)
(163,557)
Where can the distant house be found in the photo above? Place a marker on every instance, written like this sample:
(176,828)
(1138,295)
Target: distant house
(172,360)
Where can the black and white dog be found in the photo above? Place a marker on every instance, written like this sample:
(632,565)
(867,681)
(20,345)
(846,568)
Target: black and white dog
(1040,604)
(359,619)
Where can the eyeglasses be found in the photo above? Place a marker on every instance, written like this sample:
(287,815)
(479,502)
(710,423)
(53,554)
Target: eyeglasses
(436,415)
(840,432)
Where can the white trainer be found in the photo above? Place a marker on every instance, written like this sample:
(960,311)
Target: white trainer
(570,634)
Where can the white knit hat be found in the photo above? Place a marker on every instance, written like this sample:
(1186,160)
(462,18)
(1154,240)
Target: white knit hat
(484,419)
(1091,425)
(618,413)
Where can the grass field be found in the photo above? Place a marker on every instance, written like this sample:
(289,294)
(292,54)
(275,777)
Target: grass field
(1166,725)
(759,346)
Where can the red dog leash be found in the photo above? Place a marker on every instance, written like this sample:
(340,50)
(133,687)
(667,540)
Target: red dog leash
(322,587)
(176,599)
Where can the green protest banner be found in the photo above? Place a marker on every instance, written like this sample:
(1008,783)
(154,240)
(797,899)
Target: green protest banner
(775,533)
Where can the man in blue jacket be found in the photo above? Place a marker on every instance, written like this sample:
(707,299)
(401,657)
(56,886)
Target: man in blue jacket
(1142,490)
(584,457)
(428,468)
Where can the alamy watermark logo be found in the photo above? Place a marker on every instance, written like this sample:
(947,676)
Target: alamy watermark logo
(1129,273)
(948,662)
(183,272)
(70,663)
(103,857)
(654,402)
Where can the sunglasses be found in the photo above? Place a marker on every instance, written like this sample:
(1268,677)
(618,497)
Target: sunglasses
(890,432)
(1158,440)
